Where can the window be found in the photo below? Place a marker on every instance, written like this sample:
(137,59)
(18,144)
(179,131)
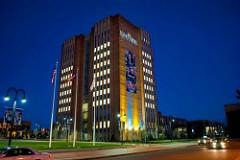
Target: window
(100,124)
(104,124)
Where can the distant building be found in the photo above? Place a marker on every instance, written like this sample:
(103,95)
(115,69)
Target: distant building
(171,127)
(233,119)
(200,128)
(20,131)
(117,57)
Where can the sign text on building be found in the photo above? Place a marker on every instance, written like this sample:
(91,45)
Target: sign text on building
(128,37)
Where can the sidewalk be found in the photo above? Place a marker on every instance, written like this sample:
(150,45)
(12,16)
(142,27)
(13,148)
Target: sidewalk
(101,153)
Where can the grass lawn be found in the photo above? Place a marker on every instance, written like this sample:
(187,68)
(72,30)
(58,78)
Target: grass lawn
(43,145)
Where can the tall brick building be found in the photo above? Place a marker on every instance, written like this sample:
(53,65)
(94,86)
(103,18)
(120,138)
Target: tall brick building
(116,56)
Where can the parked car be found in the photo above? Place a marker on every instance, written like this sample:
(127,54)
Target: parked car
(218,143)
(17,153)
(204,140)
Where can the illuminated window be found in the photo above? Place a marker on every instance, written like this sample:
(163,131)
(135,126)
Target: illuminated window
(101,46)
(104,124)
(95,49)
(108,44)
(94,58)
(105,62)
(100,124)
(104,81)
(104,91)
(98,57)
(101,55)
(98,48)
(108,124)
(100,102)
(105,54)
(108,70)
(96,125)
(105,45)
(108,62)
(108,101)
(104,101)
(108,80)
(108,90)
(108,52)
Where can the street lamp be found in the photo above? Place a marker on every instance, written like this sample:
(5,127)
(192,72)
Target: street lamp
(171,127)
(16,92)
(68,122)
(121,124)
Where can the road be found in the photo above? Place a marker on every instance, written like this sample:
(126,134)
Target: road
(186,153)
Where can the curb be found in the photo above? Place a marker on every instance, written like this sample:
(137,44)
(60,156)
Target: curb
(117,155)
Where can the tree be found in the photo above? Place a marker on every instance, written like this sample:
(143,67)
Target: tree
(238,93)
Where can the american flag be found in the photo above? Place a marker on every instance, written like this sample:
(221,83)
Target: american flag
(71,78)
(53,75)
(92,85)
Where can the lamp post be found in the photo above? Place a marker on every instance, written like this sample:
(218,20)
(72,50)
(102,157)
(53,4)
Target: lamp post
(171,127)
(119,124)
(68,123)
(16,92)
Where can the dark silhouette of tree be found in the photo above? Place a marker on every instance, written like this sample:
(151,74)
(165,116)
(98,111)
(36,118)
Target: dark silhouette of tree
(238,93)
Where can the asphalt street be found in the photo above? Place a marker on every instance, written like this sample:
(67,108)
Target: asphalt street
(193,152)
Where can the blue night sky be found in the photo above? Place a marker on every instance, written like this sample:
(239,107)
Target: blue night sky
(196,50)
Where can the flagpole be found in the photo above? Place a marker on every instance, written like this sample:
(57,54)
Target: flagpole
(53,104)
(75,110)
(94,114)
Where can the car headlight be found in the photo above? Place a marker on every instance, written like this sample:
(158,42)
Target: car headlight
(223,144)
(199,141)
(204,141)
(214,144)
